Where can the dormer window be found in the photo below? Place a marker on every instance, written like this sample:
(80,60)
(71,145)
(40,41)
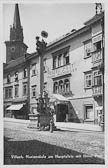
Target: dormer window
(8,78)
(16,76)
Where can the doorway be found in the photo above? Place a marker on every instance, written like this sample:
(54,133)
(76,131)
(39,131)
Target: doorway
(61,111)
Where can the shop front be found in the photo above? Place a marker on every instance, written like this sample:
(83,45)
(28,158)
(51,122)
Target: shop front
(18,111)
(61,107)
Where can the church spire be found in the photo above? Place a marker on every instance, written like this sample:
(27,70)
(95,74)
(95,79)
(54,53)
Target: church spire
(16,22)
(16,31)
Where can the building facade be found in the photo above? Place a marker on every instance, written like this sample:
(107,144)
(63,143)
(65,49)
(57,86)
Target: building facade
(15,79)
(73,68)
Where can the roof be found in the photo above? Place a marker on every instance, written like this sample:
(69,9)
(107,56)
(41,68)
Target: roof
(14,63)
(61,39)
(94,19)
(16,21)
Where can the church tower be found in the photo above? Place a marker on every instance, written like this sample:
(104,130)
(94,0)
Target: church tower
(15,47)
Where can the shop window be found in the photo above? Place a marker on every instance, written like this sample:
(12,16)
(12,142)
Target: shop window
(25,72)
(25,89)
(34,91)
(8,78)
(16,90)
(97,78)
(8,92)
(66,85)
(88,80)
(16,76)
(89,114)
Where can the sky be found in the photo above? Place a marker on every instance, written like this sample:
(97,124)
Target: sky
(55,18)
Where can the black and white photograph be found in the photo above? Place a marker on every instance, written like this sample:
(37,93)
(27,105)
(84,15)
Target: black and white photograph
(53,83)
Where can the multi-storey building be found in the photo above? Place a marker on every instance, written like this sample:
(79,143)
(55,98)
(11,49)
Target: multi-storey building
(15,80)
(73,68)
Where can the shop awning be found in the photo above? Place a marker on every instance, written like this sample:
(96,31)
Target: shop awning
(59,97)
(15,107)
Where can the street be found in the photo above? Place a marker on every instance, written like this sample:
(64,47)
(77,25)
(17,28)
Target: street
(29,146)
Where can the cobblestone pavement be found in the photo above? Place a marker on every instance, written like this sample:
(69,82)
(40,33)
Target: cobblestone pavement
(57,147)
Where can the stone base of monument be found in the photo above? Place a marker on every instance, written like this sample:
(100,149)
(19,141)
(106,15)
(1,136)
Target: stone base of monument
(40,121)
(34,121)
(44,121)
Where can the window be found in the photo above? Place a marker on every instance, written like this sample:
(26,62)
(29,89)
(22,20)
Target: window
(8,92)
(25,89)
(66,85)
(55,87)
(16,76)
(88,80)
(59,60)
(61,86)
(33,69)
(8,78)
(89,114)
(66,58)
(34,91)
(25,72)
(16,90)
(97,78)
(87,47)
(55,62)
(97,46)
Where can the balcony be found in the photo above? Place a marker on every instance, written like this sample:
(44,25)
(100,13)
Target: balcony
(97,91)
(96,58)
(63,70)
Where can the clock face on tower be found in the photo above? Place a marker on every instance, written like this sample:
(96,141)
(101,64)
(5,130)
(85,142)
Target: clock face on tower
(12,49)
